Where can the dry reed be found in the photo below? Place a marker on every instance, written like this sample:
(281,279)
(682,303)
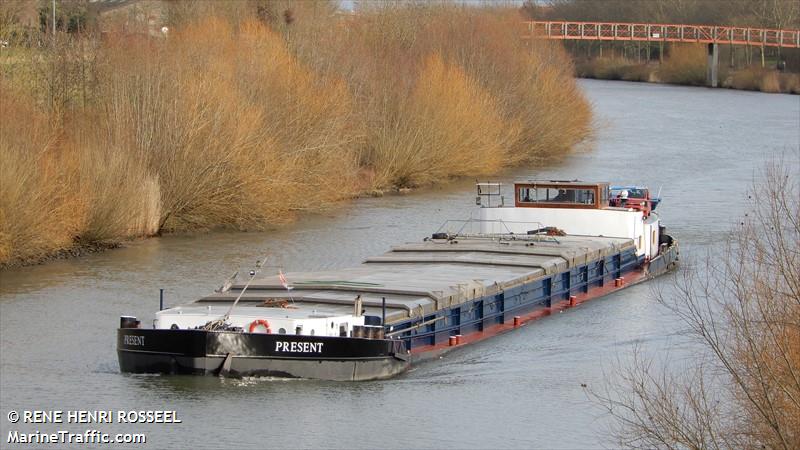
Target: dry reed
(39,212)
(384,54)
(245,115)
(448,127)
(686,64)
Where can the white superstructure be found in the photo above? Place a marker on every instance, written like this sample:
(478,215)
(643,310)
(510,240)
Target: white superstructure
(571,207)
(286,320)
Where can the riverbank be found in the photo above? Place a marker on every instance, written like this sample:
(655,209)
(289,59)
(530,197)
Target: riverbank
(687,66)
(241,119)
(751,79)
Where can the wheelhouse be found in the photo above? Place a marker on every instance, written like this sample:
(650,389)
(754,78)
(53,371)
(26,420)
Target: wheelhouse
(561,194)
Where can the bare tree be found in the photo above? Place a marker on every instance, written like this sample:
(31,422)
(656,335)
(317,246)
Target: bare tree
(12,20)
(742,305)
(781,14)
(767,13)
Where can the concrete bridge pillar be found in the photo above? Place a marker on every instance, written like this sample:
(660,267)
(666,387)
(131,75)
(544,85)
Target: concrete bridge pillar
(712,70)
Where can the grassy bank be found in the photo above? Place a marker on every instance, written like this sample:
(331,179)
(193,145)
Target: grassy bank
(243,117)
(686,65)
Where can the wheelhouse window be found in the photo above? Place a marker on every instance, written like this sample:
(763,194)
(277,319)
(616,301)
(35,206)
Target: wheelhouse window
(560,195)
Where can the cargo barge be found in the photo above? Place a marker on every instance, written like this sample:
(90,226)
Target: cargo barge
(558,244)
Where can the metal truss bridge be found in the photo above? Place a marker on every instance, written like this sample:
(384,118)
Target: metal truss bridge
(710,35)
(705,34)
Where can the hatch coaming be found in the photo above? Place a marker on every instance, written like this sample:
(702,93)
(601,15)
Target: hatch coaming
(415,279)
(520,299)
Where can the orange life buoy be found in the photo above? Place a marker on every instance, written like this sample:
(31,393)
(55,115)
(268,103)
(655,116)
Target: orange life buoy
(258,322)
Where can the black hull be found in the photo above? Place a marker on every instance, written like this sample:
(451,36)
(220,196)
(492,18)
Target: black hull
(199,352)
(664,262)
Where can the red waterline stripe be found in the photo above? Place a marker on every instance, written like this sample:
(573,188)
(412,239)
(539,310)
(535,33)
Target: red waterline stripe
(631,278)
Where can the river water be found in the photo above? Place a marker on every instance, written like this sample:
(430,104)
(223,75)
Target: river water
(518,390)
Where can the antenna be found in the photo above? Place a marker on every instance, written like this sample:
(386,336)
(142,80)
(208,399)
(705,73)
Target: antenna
(219,323)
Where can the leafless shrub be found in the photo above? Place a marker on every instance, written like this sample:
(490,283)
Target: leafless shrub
(384,52)
(39,212)
(743,308)
(246,113)
(449,127)
(686,64)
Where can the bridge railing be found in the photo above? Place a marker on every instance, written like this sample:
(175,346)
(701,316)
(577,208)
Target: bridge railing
(609,31)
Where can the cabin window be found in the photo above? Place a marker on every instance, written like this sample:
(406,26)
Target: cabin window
(561,195)
(636,193)
(633,192)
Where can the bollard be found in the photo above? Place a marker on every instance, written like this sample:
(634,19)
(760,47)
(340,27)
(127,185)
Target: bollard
(383,312)
(617,282)
(572,300)
(712,67)
(458,339)
(517,321)
(452,341)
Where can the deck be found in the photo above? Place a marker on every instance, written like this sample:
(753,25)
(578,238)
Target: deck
(420,278)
